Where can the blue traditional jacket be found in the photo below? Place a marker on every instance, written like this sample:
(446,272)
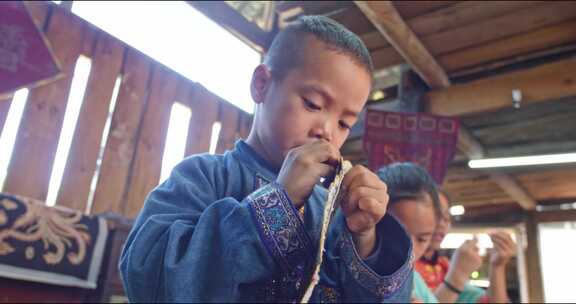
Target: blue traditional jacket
(220,229)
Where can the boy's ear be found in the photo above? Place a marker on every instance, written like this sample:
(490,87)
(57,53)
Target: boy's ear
(261,79)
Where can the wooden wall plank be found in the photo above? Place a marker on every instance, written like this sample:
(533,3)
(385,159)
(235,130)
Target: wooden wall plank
(147,161)
(229,116)
(106,65)
(34,151)
(121,142)
(541,83)
(544,38)
(204,113)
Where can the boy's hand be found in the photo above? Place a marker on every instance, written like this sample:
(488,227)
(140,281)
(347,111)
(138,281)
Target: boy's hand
(504,249)
(365,198)
(304,166)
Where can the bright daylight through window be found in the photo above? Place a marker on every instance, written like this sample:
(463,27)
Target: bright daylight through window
(180,37)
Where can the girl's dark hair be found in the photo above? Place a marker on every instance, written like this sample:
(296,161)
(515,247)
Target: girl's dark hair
(409,181)
(446,195)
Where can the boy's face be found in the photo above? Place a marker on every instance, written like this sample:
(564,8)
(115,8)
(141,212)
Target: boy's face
(321,98)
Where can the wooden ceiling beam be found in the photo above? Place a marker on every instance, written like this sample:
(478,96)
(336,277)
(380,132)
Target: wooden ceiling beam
(538,84)
(390,24)
(469,145)
(514,190)
(233,21)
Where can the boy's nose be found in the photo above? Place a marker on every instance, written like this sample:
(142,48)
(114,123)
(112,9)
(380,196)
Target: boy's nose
(323,132)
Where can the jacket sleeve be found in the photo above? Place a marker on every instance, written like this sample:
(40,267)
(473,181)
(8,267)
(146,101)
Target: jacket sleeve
(189,246)
(385,276)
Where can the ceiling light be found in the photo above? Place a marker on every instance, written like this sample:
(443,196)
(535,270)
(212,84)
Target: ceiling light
(457,210)
(523,161)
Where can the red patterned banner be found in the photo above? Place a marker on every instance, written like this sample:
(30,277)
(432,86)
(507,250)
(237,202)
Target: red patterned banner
(425,139)
(25,57)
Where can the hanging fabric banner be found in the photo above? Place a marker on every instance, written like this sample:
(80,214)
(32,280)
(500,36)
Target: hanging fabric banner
(25,56)
(424,139)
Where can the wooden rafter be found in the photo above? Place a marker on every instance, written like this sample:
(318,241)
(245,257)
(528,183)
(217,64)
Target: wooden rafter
(390,24)
(229,18)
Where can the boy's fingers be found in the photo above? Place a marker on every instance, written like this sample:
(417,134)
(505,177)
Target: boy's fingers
(375,208)
(320,151)
(348,205)
(359,221)
(350,176)
(374,197)
(325,170)
(366,178)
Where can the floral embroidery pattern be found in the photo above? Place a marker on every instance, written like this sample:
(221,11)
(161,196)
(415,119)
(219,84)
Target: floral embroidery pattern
(280,226)
(383,286)
(328,294)
(50,245)
(58,230)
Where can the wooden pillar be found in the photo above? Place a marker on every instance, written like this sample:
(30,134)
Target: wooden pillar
(533,265)
(521,262)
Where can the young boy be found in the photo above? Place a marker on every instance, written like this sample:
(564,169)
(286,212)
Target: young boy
(244,226)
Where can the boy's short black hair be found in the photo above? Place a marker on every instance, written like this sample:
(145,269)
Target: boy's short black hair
(409,181)
(286,49)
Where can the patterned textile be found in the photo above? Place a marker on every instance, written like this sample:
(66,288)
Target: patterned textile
(433,271)
(48,244)
(25,56)
(281,229)
(425,139)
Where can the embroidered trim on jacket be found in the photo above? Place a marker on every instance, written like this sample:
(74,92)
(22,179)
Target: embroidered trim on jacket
(382,286)
(279,226)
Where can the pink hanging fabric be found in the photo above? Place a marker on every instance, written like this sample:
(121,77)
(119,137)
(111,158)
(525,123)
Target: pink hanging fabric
(425,139)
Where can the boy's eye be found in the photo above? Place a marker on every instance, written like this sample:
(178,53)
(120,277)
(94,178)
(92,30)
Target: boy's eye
(422,240)
(345,125)
(311,105)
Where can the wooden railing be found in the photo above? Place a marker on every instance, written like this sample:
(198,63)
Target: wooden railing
(132,158)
